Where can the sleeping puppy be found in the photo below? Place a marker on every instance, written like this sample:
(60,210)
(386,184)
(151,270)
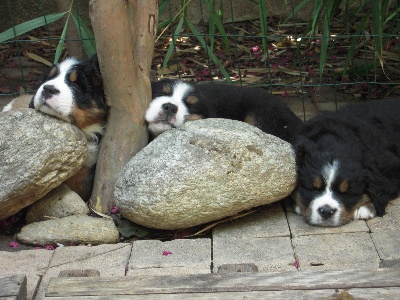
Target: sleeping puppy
(348,163)
(175,102)
(73,91)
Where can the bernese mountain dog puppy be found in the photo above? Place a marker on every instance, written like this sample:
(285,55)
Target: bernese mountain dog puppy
(348,163)
(73,91)
(175,102)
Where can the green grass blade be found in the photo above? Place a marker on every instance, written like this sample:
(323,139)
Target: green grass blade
(61,42)
(211,29)
(209,52)
(161,7)
(377,25)
(316,13)
(329,10)
(324,46)
(263,23)
(86,35)
(392,15)
(172,45)
(29,25)
(163,24)
(354,41)
(217,21)
(295,10)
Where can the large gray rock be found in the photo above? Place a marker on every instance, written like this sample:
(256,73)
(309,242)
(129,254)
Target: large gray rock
(60,202)
(203,171)
(72,229)
(37,153)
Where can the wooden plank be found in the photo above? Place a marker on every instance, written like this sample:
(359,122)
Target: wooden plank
(13,287)
(376,294)
(79,273)
(217,283)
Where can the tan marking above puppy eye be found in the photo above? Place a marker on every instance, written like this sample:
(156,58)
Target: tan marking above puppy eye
(73,76)
(343,186)
(193,117)
(167,89)
(192,100)
(317,183)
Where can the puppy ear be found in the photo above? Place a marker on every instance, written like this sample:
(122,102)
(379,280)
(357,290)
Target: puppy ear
(31,104)
(303,150)
(95,71)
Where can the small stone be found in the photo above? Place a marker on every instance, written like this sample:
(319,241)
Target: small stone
(79,229)
(60,202)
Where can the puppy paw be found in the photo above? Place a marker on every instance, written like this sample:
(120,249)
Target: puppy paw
(364,212)
(297,209)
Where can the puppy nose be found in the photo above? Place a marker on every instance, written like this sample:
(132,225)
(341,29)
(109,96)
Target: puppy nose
(326,211)
(169,108)
(50,90)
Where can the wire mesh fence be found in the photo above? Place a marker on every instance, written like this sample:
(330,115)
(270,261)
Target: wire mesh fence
(297,49)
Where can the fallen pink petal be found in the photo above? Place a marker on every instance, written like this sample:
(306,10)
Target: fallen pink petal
(114,209)
(297,264)
(14,244)
(166,253)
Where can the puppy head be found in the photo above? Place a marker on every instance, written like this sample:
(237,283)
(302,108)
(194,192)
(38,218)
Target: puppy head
(331,188)
(73,91)
(173,103)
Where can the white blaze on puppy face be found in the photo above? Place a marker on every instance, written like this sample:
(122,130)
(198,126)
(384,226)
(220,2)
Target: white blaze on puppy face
(61,102)
(158,120)
(326,199)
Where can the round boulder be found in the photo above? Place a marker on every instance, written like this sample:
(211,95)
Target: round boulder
(37,153)
(204,171)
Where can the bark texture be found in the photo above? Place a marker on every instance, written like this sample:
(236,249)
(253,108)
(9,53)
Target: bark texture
(125,33)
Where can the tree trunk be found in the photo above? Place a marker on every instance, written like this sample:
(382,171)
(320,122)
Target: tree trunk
(125,33)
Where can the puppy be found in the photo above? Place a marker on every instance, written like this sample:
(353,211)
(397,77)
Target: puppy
(73,91)
(348,163)
(175,102)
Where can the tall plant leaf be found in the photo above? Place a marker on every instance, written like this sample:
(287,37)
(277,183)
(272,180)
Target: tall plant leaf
(263,23)
(217,21)
(354,41)
(211,29)
(61,42)
(377,25)
(29,25)
(325,37)
(208,50)
(295,10)
(86,35)
(172,44)
(318,7)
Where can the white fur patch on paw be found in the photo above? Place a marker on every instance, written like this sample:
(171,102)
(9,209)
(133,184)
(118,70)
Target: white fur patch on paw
(364,213)
(297,210)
